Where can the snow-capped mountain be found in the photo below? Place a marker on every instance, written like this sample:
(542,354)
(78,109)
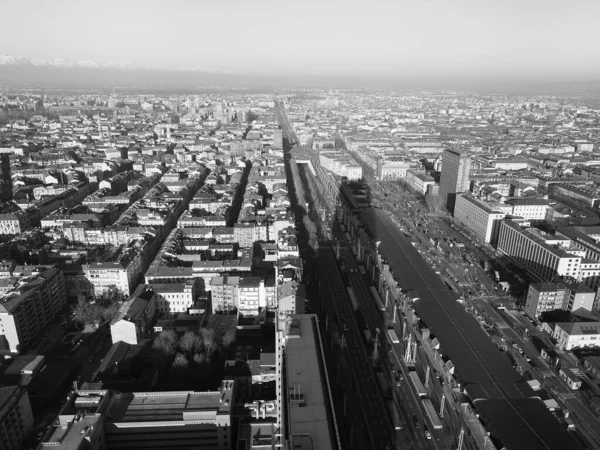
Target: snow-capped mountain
(9,60)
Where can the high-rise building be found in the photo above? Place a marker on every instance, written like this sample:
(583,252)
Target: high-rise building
(6,192)
(28,308)
(16,418)
(454,177)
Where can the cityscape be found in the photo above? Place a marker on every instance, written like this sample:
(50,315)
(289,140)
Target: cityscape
(317,226)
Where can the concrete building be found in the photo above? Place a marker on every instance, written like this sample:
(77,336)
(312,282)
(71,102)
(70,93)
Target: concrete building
(479,217)
(225,294)
(180,419)
(252,296)
(454,178)
(10,225)
(123,273)
(543,256)
(6,186)
(509,163)
(543,297)
(570,335)
(30,307)
(135,317)
(16,418)
(291,298)
(97,418)
(254,381)
(419,180)
(533,209)
(172,298)
(303,385)
(341,164)
(392,169)
(579,296)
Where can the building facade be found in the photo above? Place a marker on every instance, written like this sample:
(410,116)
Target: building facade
(16,418)
(28,309)
(454,178)
(419,180)
(479,217)
(542,297)
(541,256)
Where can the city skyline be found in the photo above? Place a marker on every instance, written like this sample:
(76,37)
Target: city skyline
(433,39)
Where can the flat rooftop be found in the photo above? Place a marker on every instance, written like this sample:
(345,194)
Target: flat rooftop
(169,406)
(305,378)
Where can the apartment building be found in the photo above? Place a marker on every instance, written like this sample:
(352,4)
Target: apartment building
(542,256)
(247,294)
(16,418)
(419,180)
(172,298)
(579,296)
(30,307)
(252,295)
(124,273)
(245,234)
(533,209)
(542,297)
(392,169)
(341,164)
(224,293)
(479,217)
(570,335)
(10,225)
(135,317)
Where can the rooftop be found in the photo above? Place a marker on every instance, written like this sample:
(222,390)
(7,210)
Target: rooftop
(306,384)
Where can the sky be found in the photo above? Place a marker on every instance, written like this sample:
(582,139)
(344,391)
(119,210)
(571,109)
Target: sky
(385,38)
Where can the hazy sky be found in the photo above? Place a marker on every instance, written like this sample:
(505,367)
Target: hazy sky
(329,37)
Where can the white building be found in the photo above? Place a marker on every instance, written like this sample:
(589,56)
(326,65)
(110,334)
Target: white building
(341,164)
(543,256)
(570,335)
(479,217)
(418,180)
(174,298)
(389,170)
(533,209)
(509,163)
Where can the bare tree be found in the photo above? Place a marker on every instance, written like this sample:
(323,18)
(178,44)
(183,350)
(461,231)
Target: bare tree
(229,338)
(190,343)
(166,342)
(180,361)
(210,343)
(199,358)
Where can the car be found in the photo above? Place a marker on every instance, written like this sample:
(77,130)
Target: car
(427,434)
(40,436)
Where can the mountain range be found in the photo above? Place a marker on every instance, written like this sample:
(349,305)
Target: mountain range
(18,71)
(10,60)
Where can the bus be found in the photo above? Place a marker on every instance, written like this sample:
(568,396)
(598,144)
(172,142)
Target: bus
(377,298)
(394,415)
(393,336)
(417,384)
(432,414)
(352,297)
